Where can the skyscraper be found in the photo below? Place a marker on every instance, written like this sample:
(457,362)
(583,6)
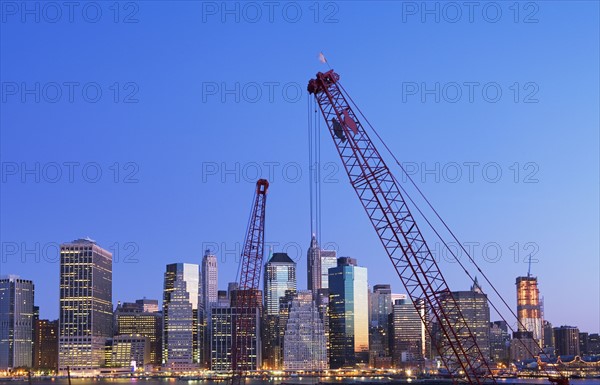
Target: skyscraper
(567,340)
(46,345)
(319,262)
(380,305)
(408,334)
(16,322)
(85,319)
(279,279)
(313,260)
(180,316)
(499,341)
(280,276)
(304,338)
(473,305)
(529,310)
(349,317)
(210,280)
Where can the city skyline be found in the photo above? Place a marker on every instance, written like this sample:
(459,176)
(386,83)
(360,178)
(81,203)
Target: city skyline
(177,153)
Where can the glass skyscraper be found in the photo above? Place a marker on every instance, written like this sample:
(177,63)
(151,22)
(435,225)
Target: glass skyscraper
(349,315)
(280,276)
(529,310)
(86,316)
(180,316)
(16,322)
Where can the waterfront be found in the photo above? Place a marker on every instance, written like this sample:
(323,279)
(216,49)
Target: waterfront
(273,381)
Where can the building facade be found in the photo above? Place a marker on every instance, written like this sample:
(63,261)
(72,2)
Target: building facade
(566,339)
(180,317)
(86,316)
(16,322)
(348,314)
(304,344)
(142,323)
(210,280)
(408,334)
(529,311)
(45,349)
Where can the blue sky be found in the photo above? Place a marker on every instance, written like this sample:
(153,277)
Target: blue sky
(197,100)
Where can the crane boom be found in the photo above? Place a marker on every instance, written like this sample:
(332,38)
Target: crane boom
(246,301)
(381,197)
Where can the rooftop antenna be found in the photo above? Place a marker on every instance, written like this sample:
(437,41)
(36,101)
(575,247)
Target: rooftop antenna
(529,268)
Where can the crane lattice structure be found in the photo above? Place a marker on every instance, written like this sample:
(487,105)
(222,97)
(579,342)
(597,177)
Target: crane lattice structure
(246,300)
(381,196)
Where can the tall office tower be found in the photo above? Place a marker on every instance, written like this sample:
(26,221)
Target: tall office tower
(313,259)
(142,323)
(210,280)
(223,333)
(408,334)
(319,262)
(328,260)
(529,311)
(349,317)
(16,322)
(45,355)
(473,305)
(567,340)
(86,316)
(548,332)
(250,337)
(304,338)
(380,305)
(499,341)
(180,316)
(280,276)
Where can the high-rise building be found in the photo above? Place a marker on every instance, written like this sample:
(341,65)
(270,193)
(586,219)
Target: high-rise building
(529,311)
(567,340)
(328,260)
(148,305)
(499,341)
(474,308)
(548,332)
(45,349)
(523,346)
(348,312)
(223,333)
(304,338)
(143,324)
(16,322)
(85,319)
(408,334)
(319,262)
(180,316)
(279,279)
(210,280)
(280,276)
(380,305)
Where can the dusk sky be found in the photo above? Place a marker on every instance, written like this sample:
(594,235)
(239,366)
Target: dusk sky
(494,109)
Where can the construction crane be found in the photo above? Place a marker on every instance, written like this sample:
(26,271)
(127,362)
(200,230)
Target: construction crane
(246,299)
(381,196)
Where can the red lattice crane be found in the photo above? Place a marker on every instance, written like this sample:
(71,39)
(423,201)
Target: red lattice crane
(246,300)
(380,194)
